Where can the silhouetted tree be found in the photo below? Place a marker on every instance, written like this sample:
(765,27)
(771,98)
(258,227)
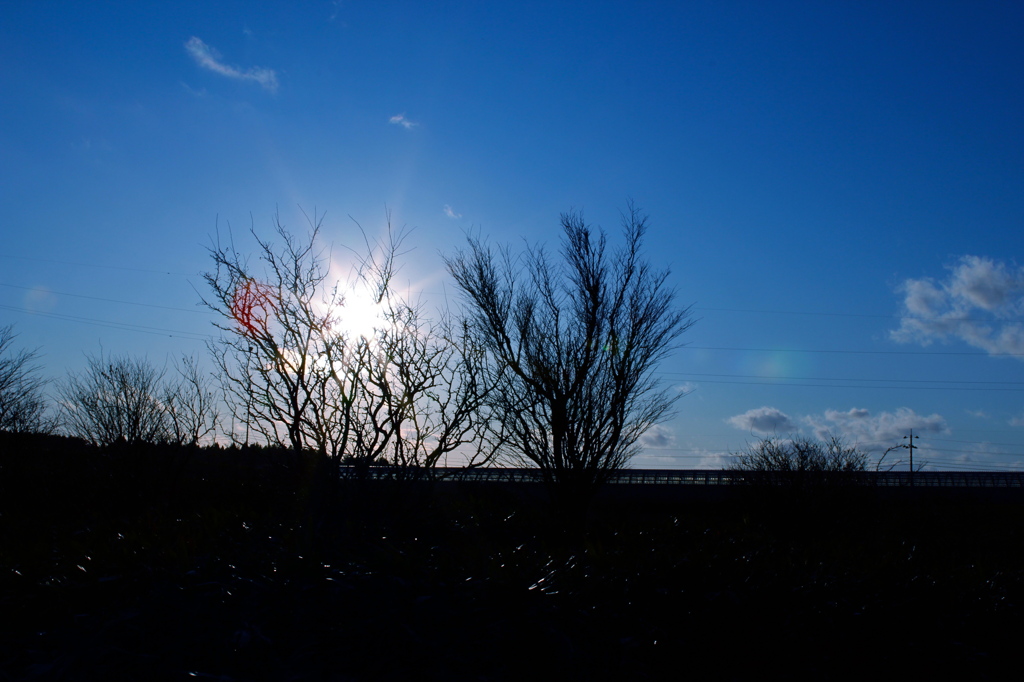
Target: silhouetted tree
(191,404)
(405,392)
(23,405)
(422,392)
(276,324)
(115,399)
(571,346)
(804,461)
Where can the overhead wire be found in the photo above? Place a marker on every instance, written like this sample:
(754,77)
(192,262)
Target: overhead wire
(123,326)
(971,442)
(851,352)
(111,300)
(92,265)
(903,388)
(972,452)
(684,347)
(697,453)
(914,381)
(811,313)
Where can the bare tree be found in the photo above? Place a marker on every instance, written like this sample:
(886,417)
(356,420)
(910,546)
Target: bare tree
(23,405)
(275,325)
(571,347)
(800,461)
(421,394)
(294,373)
(191,404)
(115,399)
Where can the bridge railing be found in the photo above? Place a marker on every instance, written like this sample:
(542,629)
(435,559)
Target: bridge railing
(702,477)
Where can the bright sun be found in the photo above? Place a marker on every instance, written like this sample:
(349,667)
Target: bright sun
(359,315)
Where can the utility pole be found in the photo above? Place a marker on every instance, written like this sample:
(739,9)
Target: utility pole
(910,447)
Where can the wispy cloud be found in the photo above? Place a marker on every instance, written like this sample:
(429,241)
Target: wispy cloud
(979,303)
(709,459)
(336,5)
(401,120)
(765,420)
(685,388)
(40,299)
(450,212)
(192,91)
(209,59)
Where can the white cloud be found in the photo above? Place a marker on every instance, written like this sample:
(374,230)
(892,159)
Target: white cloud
(450,212)
(1017,421)
(763,420)
(401,120)
(859,427)
(978,303)
(856,426)
(209,59)
(658,436)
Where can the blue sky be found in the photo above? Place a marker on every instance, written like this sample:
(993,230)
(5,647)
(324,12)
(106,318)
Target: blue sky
(836,187)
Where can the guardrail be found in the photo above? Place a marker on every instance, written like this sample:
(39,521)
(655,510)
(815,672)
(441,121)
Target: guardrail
(701,477)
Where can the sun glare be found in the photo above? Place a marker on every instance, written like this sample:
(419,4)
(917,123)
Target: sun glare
(358,315)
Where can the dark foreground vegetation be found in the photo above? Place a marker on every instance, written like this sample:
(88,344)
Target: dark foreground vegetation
(166,563)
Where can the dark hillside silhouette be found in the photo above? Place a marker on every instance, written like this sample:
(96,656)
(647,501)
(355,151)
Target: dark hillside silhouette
(240,571)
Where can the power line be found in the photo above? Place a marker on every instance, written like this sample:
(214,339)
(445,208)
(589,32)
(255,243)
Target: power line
(930,460)
(798,312)
(901,388)
(864,444)
(973,442)
(123,326)
(755,311)
(94,265)
(970,452)
(853,352)
(718,348)
(830,314)
(909,381)
(1015,432)
(969,466)
(697,453)
(717,309)
(111,300)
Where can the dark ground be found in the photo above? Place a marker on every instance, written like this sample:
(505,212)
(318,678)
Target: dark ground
(231,565)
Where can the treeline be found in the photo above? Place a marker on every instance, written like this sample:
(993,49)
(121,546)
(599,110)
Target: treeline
(549,361)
